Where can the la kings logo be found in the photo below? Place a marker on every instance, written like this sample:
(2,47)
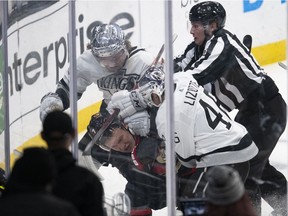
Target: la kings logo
(116,82)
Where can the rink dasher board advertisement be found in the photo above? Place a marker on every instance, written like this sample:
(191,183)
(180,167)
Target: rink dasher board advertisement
(38,52)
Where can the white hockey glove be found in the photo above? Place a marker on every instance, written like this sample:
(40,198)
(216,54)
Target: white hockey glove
(50,102)
(139,123)
(128,103)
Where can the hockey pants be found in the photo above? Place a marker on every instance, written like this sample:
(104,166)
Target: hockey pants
(265,128)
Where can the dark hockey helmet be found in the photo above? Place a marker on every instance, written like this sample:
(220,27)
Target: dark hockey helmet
(207,12)
(107,40)
(152,84)
(96,123)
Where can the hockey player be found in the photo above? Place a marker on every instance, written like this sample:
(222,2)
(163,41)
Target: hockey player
(205,136)
(141,160)
(224,66)
(111,63)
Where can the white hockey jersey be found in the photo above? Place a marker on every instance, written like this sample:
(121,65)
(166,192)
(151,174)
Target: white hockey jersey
(204,134)
(90,71)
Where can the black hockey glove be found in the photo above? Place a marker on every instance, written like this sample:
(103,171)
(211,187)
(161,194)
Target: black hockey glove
(149,155)
(177,67)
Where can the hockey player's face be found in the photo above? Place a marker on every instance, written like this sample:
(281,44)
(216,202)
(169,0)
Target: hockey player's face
(114,63)
(121,140)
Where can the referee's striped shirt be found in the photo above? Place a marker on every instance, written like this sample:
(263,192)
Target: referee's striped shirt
(224,66)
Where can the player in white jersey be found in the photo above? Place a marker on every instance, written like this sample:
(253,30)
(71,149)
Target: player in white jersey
(205,136)
(111,63)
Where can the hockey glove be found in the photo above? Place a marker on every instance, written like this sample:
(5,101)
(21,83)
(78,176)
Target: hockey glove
(50,102)
(149,156)
(139,123)
(177,67)
(128,103)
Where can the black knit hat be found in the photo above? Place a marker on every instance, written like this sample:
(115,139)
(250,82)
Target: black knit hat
(57,124)
(224,185)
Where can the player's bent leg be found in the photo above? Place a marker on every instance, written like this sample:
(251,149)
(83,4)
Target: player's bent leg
(275,193)
(254,193)
(274,189)
(243,169)
(265,127)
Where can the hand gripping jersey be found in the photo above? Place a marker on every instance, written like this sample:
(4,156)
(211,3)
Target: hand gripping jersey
(204,134)
(90,71)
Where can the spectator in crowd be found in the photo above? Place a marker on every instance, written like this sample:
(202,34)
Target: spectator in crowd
(226,193)
(221,63)
(28,189)
(73,183)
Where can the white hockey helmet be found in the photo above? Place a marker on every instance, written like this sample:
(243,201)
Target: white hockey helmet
(107,40)
(152,86)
